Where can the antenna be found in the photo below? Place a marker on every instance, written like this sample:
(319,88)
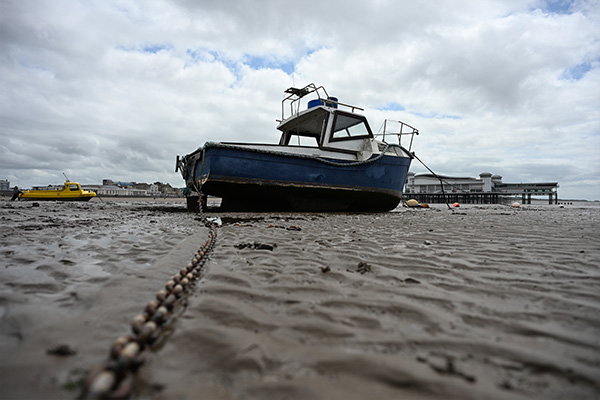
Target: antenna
(66,177)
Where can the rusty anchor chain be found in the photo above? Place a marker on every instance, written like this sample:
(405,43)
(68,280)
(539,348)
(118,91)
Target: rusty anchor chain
(113,379)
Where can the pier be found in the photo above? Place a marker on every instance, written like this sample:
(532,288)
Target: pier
(488,189)
(463,198)
(476,198)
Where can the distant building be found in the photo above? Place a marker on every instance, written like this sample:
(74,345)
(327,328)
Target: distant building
(486,184)
(124,184)
(4,184)
(154,190)
(113,190)
(133,189)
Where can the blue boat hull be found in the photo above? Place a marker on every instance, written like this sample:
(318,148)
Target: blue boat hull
(248,179)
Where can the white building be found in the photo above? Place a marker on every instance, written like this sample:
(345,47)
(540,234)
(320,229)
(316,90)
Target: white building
(113,190)
(154,190)
(429,183)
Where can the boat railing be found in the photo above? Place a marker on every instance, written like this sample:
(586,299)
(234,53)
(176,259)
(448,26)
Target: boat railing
(292,100)
(398,129)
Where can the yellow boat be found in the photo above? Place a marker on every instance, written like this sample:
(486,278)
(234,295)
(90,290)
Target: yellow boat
(70,191)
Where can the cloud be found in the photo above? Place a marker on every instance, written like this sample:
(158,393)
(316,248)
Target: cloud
(117,89)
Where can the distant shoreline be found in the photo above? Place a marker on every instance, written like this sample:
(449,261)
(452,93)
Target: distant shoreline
(9,193)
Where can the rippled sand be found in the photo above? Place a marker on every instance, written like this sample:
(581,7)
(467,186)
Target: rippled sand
(479,302)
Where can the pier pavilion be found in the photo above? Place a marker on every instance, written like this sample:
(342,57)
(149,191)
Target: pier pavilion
(487,189)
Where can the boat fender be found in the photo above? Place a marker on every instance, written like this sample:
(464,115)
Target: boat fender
(412,203)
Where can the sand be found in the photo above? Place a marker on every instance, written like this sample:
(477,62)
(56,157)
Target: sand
(479,302)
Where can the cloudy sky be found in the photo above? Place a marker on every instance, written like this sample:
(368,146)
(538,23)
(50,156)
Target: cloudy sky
(116,89)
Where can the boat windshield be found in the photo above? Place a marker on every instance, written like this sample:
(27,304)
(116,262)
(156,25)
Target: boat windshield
(73,187)
(350,127)
(305,129)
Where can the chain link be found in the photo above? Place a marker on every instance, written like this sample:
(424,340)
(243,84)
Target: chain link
(113,379)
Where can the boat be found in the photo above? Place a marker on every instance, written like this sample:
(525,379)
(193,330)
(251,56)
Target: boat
(327,159)
(70,191)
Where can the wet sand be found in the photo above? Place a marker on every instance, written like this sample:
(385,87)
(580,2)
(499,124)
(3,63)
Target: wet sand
(480,302)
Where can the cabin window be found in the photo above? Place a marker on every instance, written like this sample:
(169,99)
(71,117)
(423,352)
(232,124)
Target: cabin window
(73,187)
(306,135)
(303,141)
(349,127)
(305,129)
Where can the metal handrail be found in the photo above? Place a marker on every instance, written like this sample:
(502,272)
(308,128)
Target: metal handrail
(412,131)
(296,94)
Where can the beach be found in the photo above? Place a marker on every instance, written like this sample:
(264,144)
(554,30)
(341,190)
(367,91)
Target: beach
(475,302)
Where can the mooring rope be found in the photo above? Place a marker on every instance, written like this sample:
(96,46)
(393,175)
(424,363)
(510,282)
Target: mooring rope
(113,379)
(355,163)
(295,155)
(434,174)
